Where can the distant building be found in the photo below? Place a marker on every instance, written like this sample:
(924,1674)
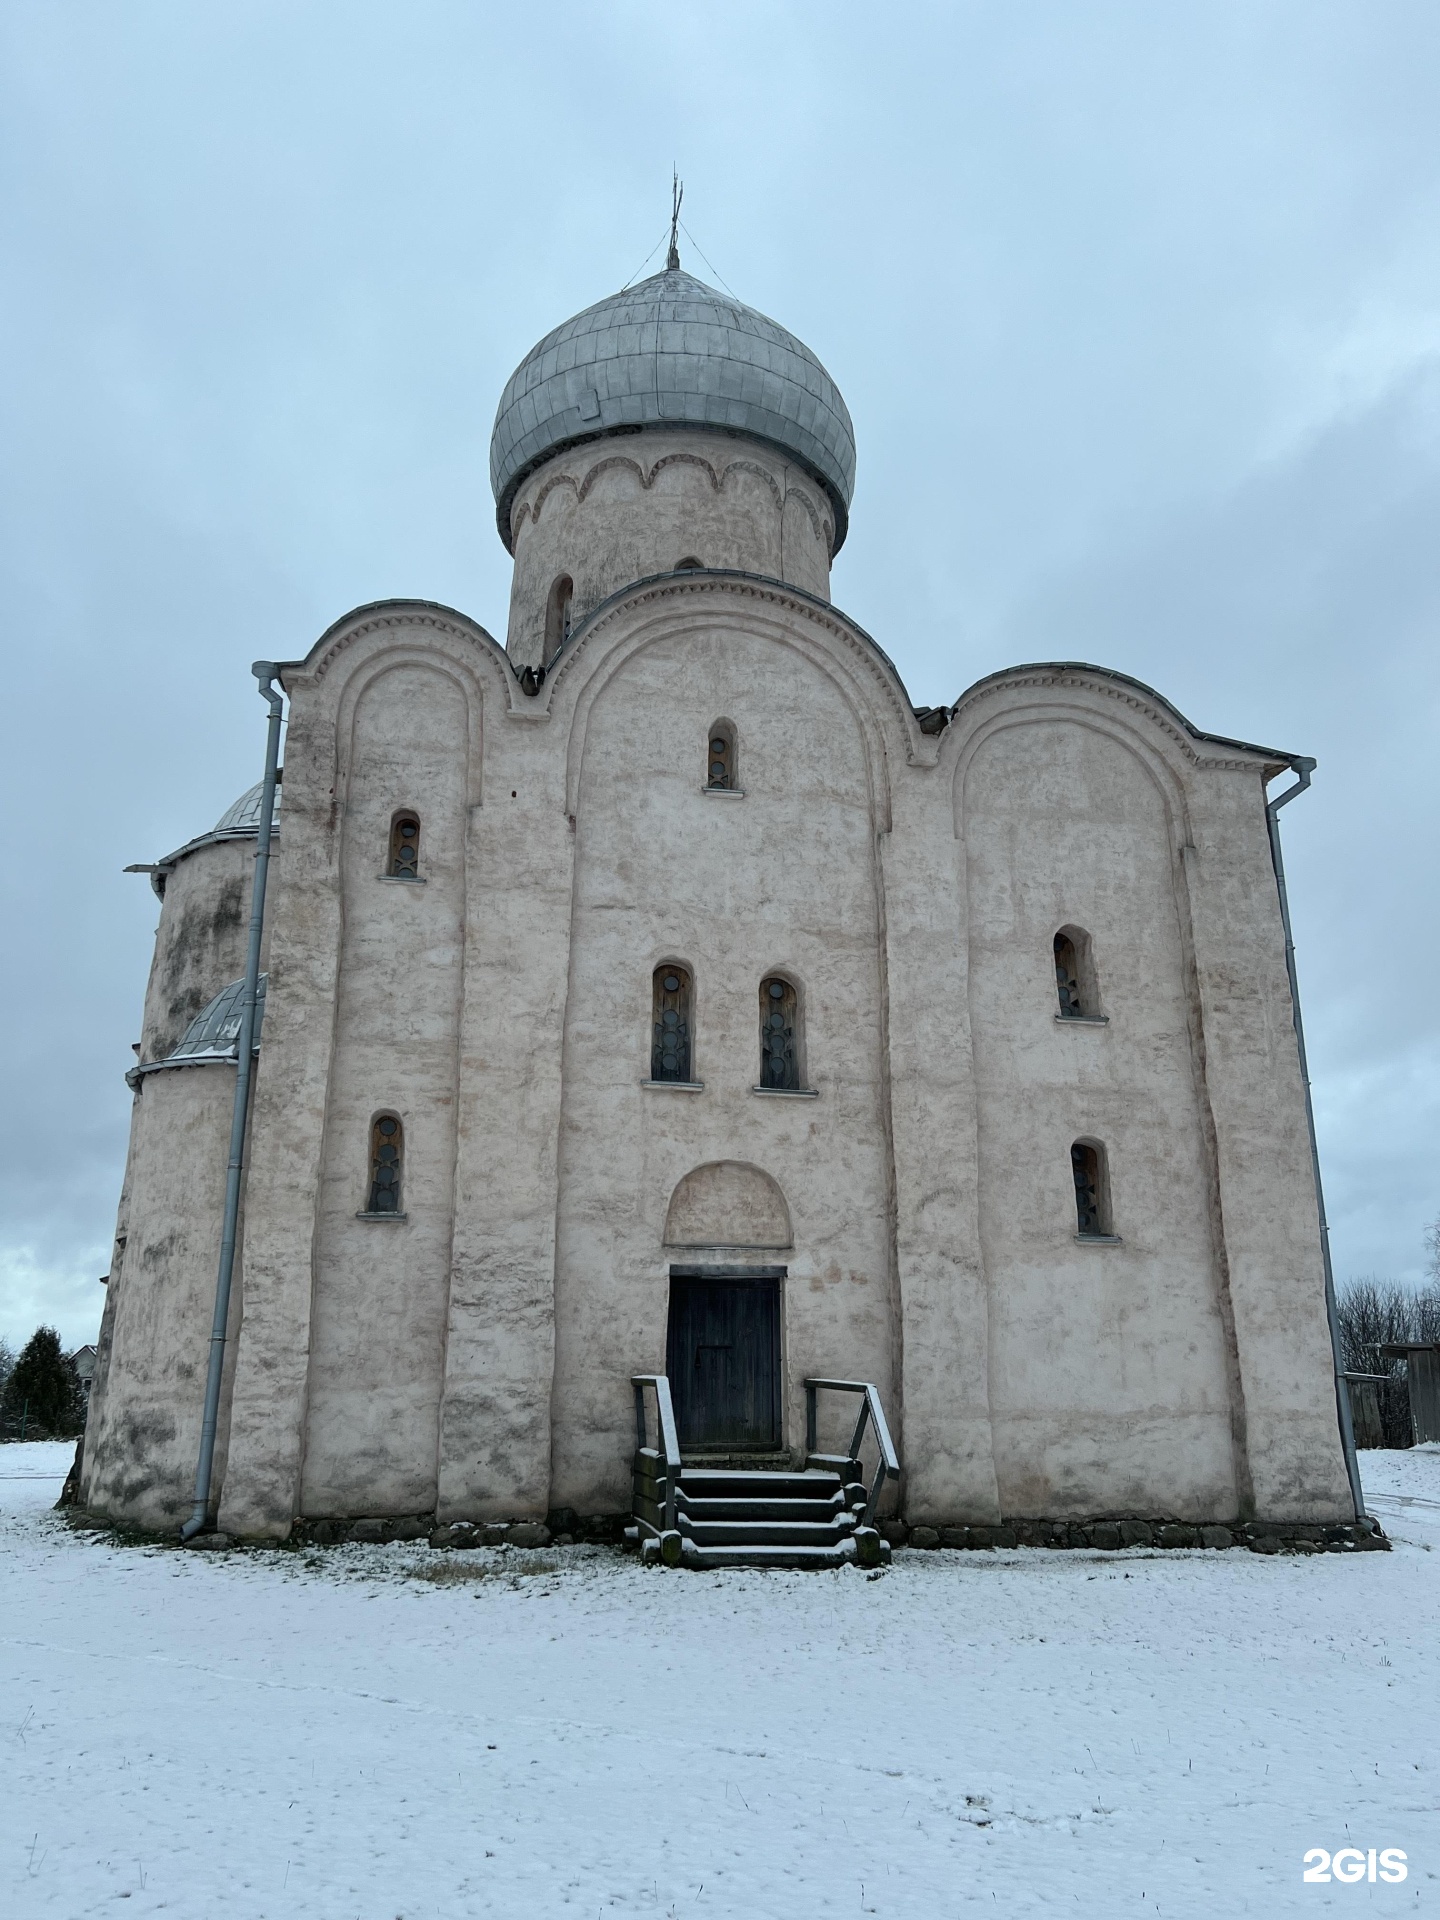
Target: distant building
(83,1361)
(1422,1376)
(663,992)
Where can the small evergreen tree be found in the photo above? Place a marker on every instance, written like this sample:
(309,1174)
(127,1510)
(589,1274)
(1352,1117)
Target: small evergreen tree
(42,1397)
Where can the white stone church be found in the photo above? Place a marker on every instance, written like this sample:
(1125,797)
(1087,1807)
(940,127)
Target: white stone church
(661,993)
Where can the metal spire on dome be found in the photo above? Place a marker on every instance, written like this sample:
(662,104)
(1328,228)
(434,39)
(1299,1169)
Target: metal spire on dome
(677,194)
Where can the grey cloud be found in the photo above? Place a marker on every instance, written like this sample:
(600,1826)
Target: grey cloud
(1078,271)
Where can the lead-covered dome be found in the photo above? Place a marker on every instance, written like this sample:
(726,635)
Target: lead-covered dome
(241,821)
(244,815)
(672,352)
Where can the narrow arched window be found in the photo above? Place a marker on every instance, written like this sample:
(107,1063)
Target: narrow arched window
(670,1034)
(557,616)
(387,1164)
(779,1035)
(720,758)
(404,847)
(1092,1190)
(1075,975)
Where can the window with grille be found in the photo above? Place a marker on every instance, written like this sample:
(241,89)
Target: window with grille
(720,758)
(405,847)
(1075,975)
(670,1042)
(779,1035)
(387,1164)
(1092,1199)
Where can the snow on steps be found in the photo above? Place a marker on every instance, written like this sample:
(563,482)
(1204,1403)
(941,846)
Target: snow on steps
(746,1517)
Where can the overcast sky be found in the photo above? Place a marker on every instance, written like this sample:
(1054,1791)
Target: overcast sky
(1136,308)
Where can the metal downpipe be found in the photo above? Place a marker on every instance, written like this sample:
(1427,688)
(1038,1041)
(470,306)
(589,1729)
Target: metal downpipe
(1303,769)
(266,672)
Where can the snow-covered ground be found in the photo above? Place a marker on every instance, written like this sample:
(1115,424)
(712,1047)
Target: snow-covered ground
(370,1732)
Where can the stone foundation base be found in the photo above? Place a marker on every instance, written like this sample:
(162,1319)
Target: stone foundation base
(1259,1536)
(561,1528)
(564,1528)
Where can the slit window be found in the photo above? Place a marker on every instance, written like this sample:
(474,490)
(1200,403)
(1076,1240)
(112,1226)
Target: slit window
(557,616)
(405,847)
(387,1164)
(720,758)
(779,1036)
(1092,1197)
(670,1032)
(1075,975)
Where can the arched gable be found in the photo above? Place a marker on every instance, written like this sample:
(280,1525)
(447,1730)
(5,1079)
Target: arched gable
(1166,744)
(378,618)
(665,607)
(357,651)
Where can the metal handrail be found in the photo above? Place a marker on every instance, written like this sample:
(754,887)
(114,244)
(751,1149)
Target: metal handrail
(871,1411)
(669,1439)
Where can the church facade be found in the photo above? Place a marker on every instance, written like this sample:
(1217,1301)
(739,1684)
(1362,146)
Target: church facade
(663,993)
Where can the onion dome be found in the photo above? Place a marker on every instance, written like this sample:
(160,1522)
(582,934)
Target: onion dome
(672,352)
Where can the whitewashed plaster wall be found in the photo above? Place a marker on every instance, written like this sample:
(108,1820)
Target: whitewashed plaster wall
(382,1285)
(143,1429)
(943,1331)
(778,879)
(503,865)
(478,1356)
(500,1346)
(140,1451)
(1285,1394)
(200,941)
(1207,1061)
(1108,1378)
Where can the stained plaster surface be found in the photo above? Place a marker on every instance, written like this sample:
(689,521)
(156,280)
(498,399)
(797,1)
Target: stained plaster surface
(392,1732)
(666,873)
(473,1359)
(147,1397)
(204,922)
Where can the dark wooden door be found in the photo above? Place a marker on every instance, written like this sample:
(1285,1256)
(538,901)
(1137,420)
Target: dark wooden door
(723,1359)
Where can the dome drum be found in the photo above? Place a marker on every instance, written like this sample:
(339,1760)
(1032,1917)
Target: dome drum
(604,513)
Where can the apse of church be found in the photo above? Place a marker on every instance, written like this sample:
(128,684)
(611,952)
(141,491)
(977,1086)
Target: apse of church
(661,996)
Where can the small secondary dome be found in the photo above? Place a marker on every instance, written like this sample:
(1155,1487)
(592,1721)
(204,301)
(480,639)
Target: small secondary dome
(212,1037)
(214,1033)
(238,822)
(672,352)
(244,816)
